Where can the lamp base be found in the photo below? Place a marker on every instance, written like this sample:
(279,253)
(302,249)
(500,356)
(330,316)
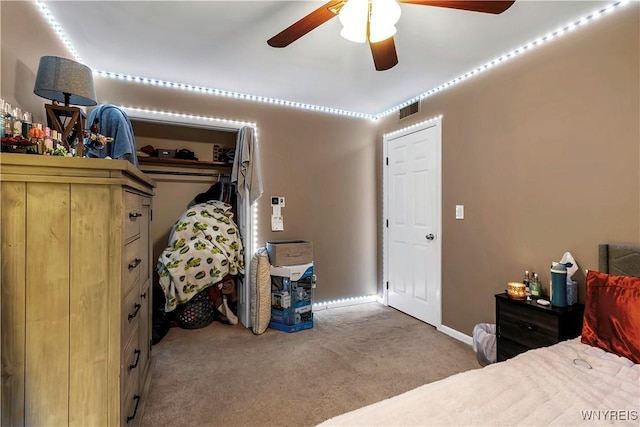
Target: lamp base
(74,128)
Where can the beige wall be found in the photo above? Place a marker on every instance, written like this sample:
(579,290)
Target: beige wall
(544,152)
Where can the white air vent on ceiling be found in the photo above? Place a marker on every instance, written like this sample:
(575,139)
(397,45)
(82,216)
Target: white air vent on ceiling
(409,110)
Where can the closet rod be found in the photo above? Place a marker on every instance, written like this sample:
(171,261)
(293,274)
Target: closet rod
(213,175)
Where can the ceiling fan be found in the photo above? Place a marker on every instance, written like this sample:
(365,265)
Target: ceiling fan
(374,21)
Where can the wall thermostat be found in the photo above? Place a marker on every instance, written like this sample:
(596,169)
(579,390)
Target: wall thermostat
(277,223)
(277,201)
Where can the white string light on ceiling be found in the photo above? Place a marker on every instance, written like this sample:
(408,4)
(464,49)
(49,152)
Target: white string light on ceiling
(580,22)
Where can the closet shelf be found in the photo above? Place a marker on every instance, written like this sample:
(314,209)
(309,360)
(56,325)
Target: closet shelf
(166,161)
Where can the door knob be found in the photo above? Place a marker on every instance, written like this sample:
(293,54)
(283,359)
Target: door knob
(430,237)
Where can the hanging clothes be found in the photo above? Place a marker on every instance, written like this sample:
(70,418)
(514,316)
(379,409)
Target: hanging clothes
(246,165)
(113,123)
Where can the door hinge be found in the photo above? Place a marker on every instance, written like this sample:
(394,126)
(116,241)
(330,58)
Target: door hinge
(151,215)
(387,161)
(387,285)
(387,223)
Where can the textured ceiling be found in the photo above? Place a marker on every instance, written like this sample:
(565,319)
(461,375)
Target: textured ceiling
(222,45)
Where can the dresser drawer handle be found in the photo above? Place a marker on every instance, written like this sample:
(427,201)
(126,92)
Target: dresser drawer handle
(134,215)
(135,410)
(135,313)
(527,327)
(144,296)
(136,262)
(135,365)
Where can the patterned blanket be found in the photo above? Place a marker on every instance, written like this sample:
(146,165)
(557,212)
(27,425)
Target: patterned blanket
(204,246)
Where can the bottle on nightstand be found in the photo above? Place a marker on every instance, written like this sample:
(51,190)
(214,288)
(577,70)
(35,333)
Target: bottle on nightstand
(536,287)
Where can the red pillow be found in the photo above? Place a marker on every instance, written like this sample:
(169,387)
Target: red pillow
(612,314)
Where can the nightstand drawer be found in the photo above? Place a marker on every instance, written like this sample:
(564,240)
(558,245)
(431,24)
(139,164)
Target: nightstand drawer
(528,327)
(528,334)
(509,349)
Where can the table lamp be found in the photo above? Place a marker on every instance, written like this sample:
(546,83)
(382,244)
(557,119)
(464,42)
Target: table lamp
(69,82)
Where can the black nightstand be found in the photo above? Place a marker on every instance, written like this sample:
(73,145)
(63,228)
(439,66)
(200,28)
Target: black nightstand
(524,325)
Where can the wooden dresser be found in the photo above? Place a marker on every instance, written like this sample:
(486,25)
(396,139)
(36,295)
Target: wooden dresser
(76,291)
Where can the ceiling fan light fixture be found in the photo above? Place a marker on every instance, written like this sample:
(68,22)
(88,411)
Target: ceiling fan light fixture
(354,34)
(385,12)
(379,33)
(353,17)
(377,17)
(384,15)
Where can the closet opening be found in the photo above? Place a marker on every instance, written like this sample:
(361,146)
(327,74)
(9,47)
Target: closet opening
(205,151)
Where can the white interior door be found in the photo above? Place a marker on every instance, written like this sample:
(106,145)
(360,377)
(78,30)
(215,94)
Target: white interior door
(413,208)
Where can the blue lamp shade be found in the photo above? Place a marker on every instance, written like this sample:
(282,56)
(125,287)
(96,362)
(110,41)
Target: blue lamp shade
(64,80)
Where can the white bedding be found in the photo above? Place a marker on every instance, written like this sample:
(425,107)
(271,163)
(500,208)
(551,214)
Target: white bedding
(540,387)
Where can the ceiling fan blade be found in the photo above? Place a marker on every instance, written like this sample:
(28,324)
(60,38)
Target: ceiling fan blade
(495,7)
(384,54)
(306,24)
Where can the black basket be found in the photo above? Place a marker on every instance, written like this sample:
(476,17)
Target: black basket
(197,312)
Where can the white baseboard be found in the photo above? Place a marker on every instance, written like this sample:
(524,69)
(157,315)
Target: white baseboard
(344,302)
(456,334)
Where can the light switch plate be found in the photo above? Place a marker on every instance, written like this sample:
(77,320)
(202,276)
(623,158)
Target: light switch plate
(459,211)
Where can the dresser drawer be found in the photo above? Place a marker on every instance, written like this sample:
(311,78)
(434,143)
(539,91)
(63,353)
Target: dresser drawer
(131,358)
(131,313)
(145,247)
(509,349)
(145,327)
(529,328)
(132,214)
(132,261)
(131,403)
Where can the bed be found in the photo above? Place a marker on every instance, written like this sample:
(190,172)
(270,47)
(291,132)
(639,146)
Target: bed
(590,380)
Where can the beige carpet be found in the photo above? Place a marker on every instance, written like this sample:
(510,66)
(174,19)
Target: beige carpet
(223,375)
